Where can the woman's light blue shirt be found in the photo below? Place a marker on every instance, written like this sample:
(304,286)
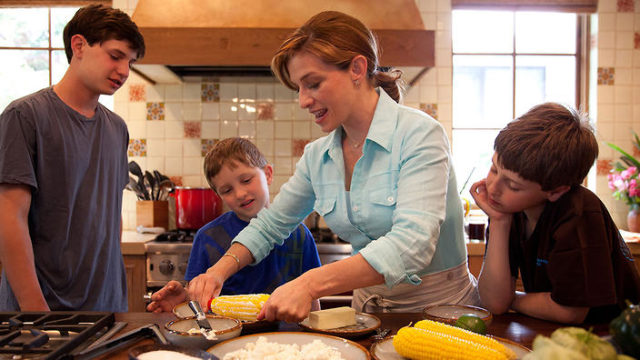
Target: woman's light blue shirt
(406,215)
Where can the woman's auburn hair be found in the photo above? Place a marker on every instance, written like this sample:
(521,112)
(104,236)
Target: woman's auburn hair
(336,38)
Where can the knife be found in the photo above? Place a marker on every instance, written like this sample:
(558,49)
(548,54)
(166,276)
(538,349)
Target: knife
(202,321)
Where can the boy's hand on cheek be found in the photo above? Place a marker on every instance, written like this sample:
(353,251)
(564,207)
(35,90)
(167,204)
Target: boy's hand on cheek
(480,195)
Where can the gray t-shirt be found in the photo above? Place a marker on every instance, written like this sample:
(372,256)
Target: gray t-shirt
(77,169)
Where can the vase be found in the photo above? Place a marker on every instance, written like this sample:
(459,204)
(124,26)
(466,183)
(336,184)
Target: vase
(633,220)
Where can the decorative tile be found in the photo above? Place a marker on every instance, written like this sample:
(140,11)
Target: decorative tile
(207,144)
(155,111)
(603,167)
(265,111)
(636,152)
(298,146)
(192,129)
(137,147)
(431,109)
(606,76)
(137,92)
(625,6)
(176,180)
(636,40)
(210,92)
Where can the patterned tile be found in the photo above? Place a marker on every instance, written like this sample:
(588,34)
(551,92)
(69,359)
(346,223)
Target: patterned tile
(210,92)
(177,180)
(137,147)
(137,92)
(192,129)
(155,111)
(298,145)
(636,40)
(625,6)
(431,109)
(636,152)
(603,167)
(606,76)
(265,111)
(207,144)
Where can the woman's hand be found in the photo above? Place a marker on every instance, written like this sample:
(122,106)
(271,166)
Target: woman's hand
(165,299)
(290,302)
(205,287)
(479,193)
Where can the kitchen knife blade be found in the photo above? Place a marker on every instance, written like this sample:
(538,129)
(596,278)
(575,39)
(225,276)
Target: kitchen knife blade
(201,319)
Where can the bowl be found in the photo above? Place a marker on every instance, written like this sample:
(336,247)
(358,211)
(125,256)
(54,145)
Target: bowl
(183,310)
(186,332)
(449,313)
(164,351)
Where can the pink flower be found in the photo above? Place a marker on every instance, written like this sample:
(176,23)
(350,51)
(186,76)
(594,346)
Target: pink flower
(620,184)
(633,188)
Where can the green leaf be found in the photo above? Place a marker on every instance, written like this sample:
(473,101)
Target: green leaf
(635,162)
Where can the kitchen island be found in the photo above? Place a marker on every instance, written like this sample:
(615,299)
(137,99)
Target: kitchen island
(515,327)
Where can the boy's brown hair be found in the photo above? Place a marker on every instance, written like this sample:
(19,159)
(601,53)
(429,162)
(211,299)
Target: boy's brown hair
(550,144)
(227,152)
(99,23)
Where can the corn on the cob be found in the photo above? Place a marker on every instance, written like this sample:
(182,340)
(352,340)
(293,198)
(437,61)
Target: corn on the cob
(424,344)
(241,307)
(442,328)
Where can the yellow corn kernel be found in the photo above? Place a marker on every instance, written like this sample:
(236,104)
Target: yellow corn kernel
(420,344)
(445,329)
(241,307)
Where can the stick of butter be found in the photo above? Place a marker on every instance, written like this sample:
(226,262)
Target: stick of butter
(332,318)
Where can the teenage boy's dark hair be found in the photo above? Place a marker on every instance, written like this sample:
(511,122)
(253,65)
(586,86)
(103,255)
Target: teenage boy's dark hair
(551,144)
(229,150)
(98,23)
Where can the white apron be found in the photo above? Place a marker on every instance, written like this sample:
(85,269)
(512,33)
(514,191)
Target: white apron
(454,286)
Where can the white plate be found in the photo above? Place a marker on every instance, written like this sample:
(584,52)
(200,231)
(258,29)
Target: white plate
(383,349)
(365,323)
(348,349)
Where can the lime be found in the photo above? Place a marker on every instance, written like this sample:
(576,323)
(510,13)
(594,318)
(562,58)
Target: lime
(472,323)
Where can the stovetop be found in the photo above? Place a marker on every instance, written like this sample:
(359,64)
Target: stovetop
(176,236)
(173,241)
(48,335)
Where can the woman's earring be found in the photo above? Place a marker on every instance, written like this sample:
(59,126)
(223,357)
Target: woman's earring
(356,82)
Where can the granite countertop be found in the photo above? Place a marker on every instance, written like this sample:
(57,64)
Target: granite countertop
(133,242)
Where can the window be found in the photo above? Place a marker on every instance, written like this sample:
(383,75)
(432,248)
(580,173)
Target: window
(32,50)
(505,62)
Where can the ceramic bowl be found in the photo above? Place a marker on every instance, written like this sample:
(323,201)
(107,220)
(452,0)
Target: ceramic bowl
(450,313)
(183,310)
(186,333)
(152,350)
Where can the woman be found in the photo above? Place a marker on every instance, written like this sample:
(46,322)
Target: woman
(382,180)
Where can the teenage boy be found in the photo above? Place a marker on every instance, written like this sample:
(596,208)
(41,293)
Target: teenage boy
(63,167)
(240,174)
(574,265)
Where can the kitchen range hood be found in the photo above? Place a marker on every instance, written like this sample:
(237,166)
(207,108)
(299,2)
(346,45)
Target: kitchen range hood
(215,38)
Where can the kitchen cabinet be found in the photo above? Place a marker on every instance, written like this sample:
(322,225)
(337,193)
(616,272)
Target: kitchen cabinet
(135,266)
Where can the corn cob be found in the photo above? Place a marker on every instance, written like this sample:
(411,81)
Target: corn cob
(241,307)
(423,344)
(445,329)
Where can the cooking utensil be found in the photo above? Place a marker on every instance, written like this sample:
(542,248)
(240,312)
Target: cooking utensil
(133,186)
(134,168)
(201,318)
(151,181)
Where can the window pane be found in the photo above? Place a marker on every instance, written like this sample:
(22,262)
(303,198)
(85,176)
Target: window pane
(23,72)
(482,91)
(59,65)
(472,152)
(482,31)
(59,18)
(544,78)
(556,36)
(24,27)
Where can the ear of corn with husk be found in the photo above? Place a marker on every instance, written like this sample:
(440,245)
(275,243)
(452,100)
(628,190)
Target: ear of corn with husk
(241,307)
(430,340)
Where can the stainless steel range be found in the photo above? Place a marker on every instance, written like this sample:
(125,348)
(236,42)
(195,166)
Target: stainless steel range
(167,257)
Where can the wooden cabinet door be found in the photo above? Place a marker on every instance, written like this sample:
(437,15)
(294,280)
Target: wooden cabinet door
(135,266)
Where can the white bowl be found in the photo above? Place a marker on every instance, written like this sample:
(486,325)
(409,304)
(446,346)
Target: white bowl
(185,332)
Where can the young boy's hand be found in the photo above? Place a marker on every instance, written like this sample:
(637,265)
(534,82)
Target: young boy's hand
(205,287)
(479,193)
(165,299)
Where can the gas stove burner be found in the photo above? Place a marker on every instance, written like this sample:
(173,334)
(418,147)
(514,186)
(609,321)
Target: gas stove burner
(176,236)
(48,335)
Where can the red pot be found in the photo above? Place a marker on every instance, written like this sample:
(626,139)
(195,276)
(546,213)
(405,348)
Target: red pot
(195,207)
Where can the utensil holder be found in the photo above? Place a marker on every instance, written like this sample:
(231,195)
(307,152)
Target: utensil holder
(152,213)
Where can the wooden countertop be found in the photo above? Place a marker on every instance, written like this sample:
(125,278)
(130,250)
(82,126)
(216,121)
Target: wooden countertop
(515,327)
(133,242)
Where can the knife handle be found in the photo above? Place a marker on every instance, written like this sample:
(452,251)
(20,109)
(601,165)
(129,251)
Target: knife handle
(197,310)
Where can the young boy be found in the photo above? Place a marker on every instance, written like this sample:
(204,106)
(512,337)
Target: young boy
(63,167)
(575,267)
(240,174)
